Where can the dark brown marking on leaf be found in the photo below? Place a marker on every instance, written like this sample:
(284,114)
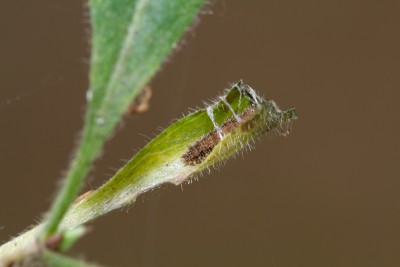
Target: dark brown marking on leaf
(197,153)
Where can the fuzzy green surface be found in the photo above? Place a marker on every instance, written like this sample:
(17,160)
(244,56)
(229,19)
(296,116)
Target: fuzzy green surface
(161,161)
(130,41)
(158,162)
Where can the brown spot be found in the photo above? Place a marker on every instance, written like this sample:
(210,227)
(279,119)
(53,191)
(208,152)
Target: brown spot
(197,153)
(200,150)
(82,197)
(141,102)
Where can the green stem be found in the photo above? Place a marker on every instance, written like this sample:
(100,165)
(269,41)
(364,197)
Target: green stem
(74,181)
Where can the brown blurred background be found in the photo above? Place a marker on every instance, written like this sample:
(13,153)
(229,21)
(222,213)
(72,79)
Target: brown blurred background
(327,195)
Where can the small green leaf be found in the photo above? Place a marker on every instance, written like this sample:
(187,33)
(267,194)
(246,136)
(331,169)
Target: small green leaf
(189,146)
(130,41)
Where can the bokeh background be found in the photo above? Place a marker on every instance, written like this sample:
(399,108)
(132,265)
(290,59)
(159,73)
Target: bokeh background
(327,195)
